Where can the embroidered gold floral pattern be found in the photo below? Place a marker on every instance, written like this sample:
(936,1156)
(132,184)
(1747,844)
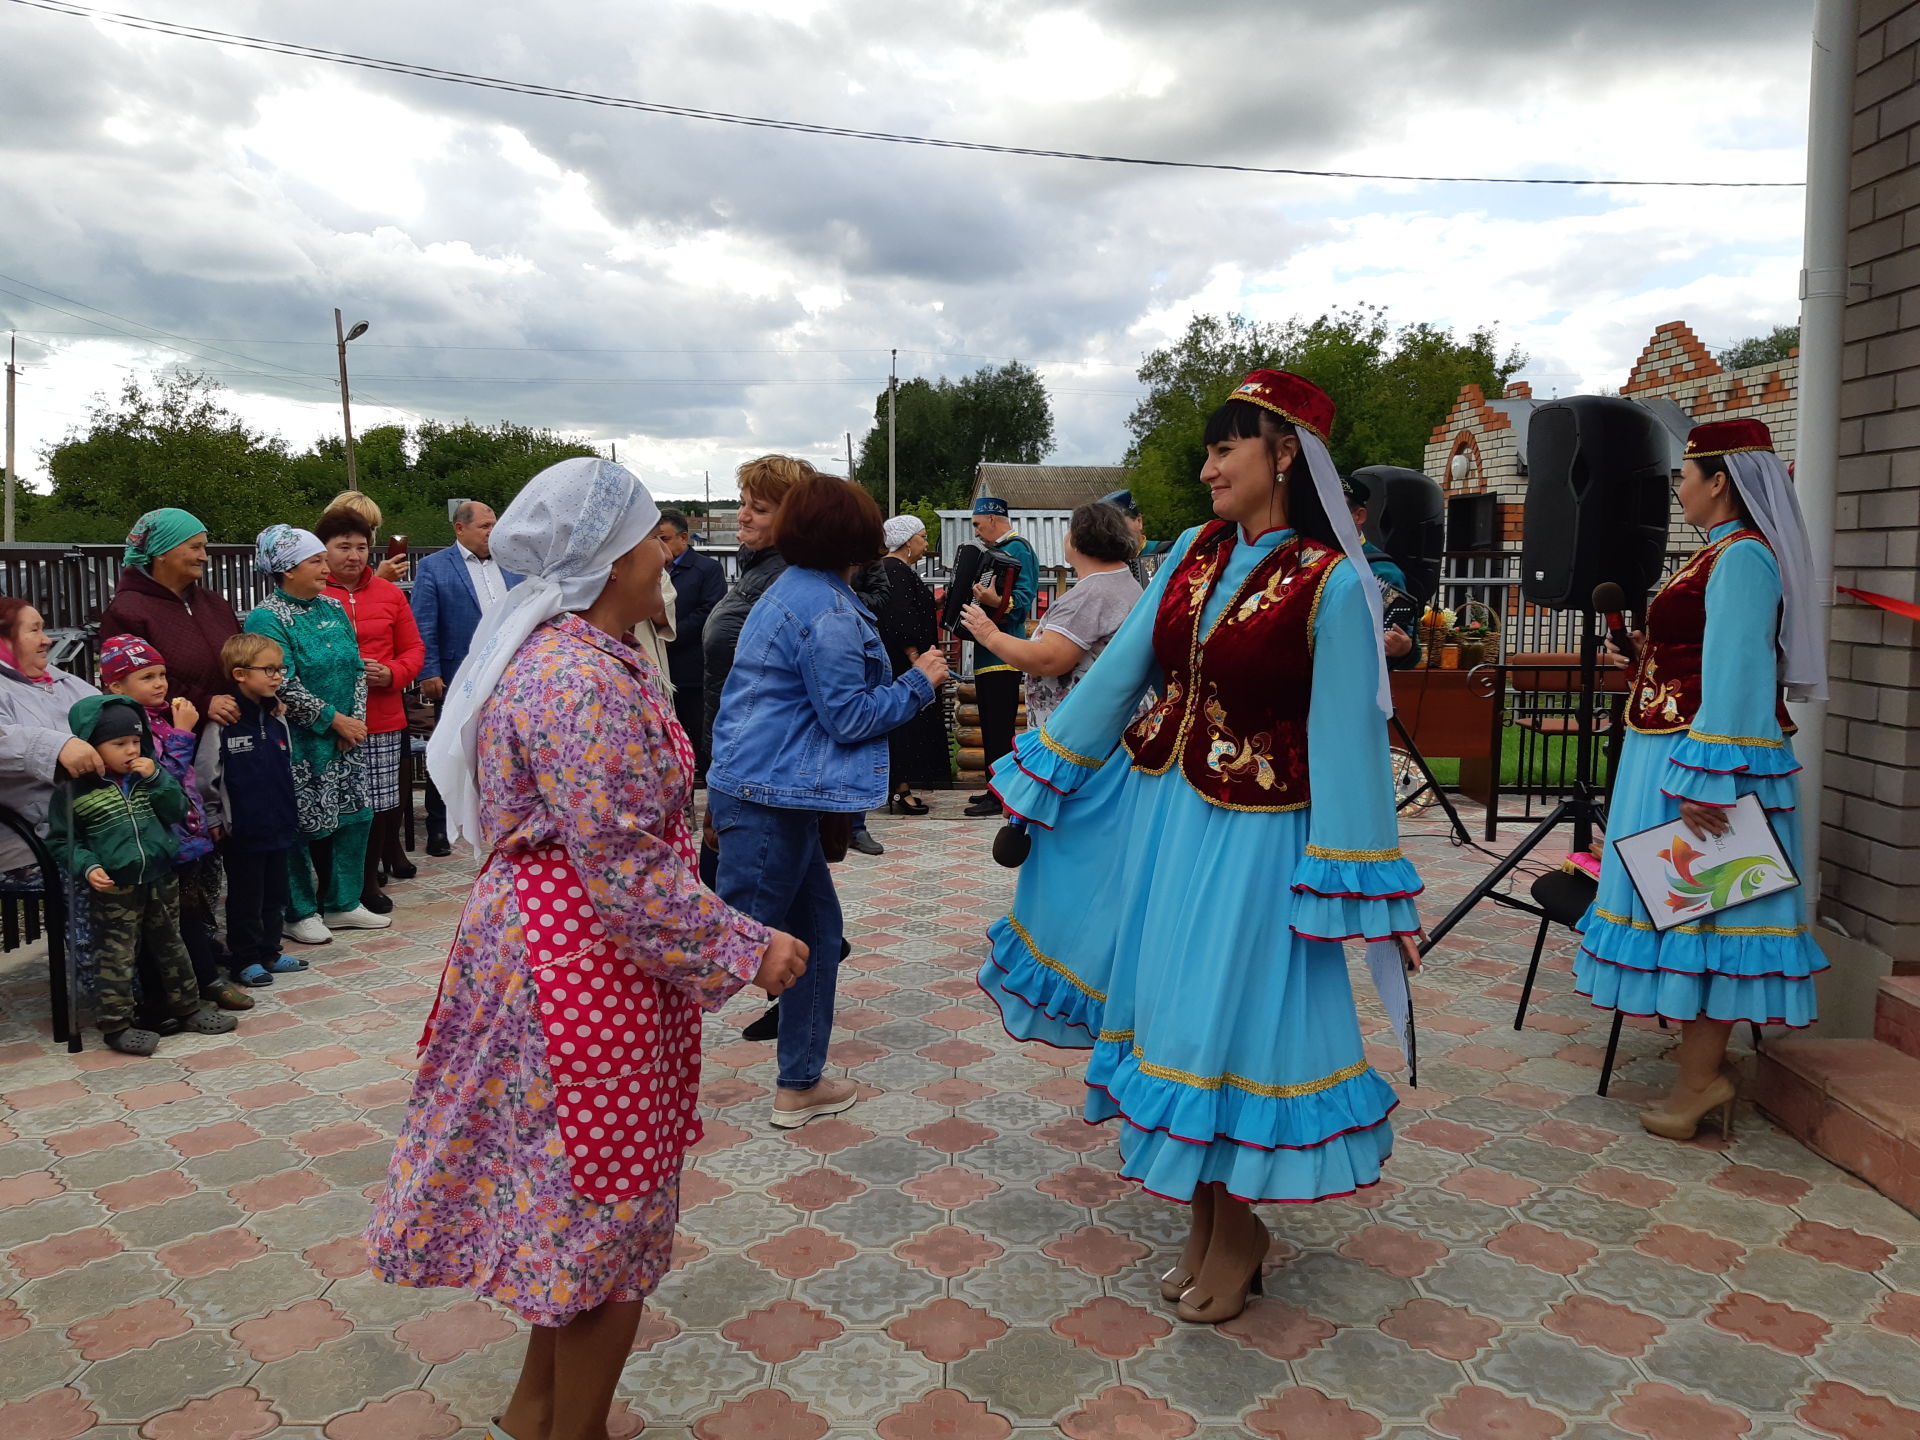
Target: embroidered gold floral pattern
(1228,755)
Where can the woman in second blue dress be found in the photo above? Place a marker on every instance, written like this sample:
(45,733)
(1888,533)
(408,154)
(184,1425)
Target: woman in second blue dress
(1193,872)
(1705,726)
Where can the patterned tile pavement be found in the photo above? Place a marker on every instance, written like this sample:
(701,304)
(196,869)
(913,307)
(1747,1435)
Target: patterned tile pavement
(954,1257)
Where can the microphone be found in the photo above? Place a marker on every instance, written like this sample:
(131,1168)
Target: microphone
(1611,601)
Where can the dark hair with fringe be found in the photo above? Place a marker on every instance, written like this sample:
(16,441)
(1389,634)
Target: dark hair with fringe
(336,523)
(1243,420)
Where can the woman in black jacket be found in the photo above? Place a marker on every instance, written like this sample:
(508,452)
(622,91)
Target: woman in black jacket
(910,626)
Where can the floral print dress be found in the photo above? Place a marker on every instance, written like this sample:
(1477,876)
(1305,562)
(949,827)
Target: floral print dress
(578,748)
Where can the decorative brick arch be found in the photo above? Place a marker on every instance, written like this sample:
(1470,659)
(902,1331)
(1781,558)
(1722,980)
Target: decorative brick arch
(1464,442)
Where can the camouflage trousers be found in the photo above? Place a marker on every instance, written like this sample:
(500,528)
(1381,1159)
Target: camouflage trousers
(123,919)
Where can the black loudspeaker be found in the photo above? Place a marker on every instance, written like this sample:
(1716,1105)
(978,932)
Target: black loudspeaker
(1473,522)
(1597,501)
(1405,518)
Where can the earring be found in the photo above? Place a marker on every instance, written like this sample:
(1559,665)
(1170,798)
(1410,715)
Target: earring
(1279,477)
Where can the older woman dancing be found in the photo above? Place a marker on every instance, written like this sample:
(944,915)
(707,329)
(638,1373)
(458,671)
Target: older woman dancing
(539,1162)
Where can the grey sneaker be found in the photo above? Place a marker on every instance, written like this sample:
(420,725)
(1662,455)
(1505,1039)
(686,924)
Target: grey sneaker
(309,930)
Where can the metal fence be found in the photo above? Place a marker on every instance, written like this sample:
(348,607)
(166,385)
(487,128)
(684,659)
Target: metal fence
(1492,578)
(70,586)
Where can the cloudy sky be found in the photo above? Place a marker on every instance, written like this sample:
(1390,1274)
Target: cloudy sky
(700,293)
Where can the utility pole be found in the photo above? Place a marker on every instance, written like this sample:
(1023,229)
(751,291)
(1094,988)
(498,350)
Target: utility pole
(893,386)
(340,339)
(706,482)
(849,455)
(12,370)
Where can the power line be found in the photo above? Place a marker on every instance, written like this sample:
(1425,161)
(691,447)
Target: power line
(805,127)
(286,374)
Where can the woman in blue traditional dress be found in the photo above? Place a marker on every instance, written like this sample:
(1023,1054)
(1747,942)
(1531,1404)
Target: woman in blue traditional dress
(1706,726)
(1193,872)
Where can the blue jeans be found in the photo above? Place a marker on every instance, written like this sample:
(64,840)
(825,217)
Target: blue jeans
(772,867)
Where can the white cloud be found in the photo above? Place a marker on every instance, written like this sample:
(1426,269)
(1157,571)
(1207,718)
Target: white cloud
(227,194)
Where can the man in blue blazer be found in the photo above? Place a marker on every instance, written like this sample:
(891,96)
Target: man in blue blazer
(451,588)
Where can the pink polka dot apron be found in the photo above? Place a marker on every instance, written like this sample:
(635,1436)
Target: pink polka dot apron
(623,1049)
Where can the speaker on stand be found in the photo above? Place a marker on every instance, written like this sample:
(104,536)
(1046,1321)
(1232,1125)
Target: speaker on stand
(1597,505)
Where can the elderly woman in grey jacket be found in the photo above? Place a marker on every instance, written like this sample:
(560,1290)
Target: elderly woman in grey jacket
(35,743)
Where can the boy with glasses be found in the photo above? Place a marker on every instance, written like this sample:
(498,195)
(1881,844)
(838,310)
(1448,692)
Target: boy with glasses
(245,772)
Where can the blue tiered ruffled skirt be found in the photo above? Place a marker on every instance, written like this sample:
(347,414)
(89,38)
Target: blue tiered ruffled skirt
(1753,961)
(1169,936)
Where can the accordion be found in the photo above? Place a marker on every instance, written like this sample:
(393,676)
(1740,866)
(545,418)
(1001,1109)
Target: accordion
(976,565)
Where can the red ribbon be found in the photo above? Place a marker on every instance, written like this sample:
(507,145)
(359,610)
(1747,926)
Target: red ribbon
(1904,608)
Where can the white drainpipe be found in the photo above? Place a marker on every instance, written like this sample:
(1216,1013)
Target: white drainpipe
(1823,301)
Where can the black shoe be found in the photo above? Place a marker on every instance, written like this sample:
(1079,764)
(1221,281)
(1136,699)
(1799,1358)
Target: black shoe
(981,798)
(376,902)
(438,847)
(983,806)
(402,869)
(866,844)
(767,1027)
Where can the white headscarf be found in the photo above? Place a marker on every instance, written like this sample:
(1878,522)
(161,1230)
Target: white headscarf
(1326,484)
(563,533)
(902,528)
(1804,596)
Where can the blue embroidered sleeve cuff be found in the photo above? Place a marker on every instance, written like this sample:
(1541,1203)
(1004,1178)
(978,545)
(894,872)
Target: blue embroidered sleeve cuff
(1354,894)
(1033,778)
(1719,769)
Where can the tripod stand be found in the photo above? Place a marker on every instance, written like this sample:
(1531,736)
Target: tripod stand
(1428,782)
(1584,808)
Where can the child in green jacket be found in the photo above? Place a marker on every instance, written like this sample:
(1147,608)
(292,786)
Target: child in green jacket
(112,831)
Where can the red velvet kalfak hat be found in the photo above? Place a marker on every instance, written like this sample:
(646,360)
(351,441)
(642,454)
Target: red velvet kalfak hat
(1289,397)
(1728,437)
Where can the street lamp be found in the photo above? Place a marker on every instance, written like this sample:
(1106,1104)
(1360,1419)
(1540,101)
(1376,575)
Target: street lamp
(340,339)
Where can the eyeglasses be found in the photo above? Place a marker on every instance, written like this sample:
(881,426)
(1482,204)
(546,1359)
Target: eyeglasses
(279,670)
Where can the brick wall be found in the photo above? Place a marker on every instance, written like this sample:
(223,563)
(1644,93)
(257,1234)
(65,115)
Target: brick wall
(1871,838)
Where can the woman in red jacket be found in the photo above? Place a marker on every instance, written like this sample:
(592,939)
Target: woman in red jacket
(391,648)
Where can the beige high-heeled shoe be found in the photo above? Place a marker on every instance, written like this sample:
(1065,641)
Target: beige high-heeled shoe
(1177,1281)
(1682,1124)
(1228,1300)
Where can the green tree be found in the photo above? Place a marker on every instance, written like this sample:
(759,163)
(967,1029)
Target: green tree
(171,440)
(1390,388)
(1762,349)
(167,440)
(945,429)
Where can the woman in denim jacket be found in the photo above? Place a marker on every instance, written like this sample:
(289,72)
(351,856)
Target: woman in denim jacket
(802,729)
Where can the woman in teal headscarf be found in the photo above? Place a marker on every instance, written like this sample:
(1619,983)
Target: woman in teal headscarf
(160,599)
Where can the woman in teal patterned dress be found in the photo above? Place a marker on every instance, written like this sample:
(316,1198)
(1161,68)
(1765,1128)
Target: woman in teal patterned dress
(325,695)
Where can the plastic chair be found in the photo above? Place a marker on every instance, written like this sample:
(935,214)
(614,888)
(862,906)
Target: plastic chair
(23,908)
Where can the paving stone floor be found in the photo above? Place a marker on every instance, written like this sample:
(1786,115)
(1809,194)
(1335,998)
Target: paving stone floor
(954,1257)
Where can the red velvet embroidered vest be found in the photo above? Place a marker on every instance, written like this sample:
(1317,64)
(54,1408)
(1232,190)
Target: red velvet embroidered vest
(1665,695)
(1233,712)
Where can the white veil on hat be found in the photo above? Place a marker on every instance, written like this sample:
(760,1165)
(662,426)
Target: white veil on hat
(562,532)
(1763,483)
